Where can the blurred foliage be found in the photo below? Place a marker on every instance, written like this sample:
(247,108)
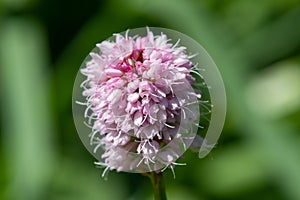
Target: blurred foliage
(255,44)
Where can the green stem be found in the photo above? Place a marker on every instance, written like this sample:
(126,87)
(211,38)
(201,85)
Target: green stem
(158,186)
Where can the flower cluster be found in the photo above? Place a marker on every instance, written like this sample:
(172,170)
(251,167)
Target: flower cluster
(139,99)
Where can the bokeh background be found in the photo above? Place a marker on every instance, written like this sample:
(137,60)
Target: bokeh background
(256,45)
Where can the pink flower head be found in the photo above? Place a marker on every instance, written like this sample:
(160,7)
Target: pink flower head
(140,104)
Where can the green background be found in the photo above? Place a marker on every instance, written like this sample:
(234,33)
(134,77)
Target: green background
(255,44)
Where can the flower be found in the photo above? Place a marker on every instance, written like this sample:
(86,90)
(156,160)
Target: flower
(140,103)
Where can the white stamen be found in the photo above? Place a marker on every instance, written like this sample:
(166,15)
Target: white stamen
(169,125)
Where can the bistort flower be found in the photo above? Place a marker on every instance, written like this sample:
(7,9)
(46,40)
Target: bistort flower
(139,102)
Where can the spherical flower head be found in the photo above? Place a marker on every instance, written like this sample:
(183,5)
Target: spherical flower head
(140,106)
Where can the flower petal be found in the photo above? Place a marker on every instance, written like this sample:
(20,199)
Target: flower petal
(113,72)
(133,97)
(138,118)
